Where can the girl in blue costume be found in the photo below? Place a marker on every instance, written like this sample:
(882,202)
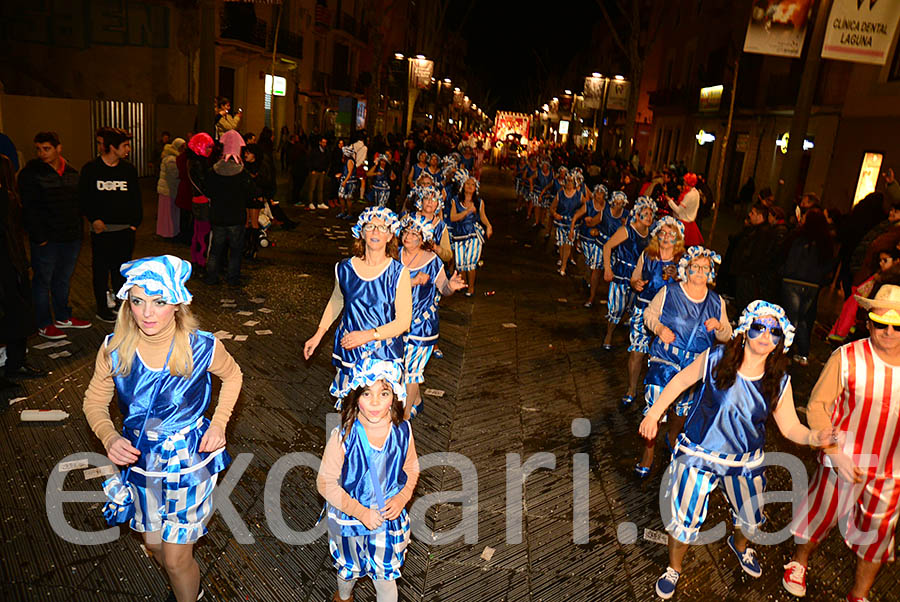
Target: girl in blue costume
(568,200)
(373,298)
(348,183)
(743,382)
(529,186)
(368,474)
(175,453)
(382,175)
(599,220)
(687,319)
(656,266)
(467,234)
(428,282)
(543,181)
(620,256)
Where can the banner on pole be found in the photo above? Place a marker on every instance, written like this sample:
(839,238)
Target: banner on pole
(778,27)
(420,71)
(593,92)
(617,97)
(861,32)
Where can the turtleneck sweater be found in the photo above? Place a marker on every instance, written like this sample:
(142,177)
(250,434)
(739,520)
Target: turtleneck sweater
(153,350)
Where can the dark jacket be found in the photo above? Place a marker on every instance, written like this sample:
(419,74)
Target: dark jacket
(228,189)
(111,194)
(50,205)
(319,159)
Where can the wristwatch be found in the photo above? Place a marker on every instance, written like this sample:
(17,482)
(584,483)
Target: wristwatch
(375,334)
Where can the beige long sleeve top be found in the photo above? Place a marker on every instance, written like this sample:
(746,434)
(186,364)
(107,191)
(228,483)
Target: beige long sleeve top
(153,350)
(654,310)
(328,481)
(824,395)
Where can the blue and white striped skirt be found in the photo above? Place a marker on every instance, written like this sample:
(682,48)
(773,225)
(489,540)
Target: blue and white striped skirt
(593,253)
(639,337)
(173,483)
(695,472)
(620,297)
(377,555)
(414,361)
(547,200)
(348,191)
(533,197)
(467,252)
(381,196)
(562,234)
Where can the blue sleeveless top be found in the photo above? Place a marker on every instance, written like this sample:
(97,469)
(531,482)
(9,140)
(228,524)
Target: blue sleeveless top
(417,171)
(355,479)
(542,180)
(367,304)
(685,318)
(567,206)
(652,272)
(344,172)
(380,180)
(465,228)
(625,256)
(732,421)
(425,297)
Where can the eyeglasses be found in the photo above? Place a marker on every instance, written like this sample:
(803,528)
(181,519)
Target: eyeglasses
(880,326)
(668,234)
(757,328)
(702,269)
(372,227)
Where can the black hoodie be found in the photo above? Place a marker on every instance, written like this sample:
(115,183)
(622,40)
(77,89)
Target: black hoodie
(229,190)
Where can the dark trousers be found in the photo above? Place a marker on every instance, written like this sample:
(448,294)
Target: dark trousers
(800,305)
(225,237)
(53,265)
(15,354)
(110,251)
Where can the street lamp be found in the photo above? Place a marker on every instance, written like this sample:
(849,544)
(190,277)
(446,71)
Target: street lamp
(399,56)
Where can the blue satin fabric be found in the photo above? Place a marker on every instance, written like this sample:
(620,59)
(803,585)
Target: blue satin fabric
(344,171)
(732,421)
(355,479)
(652,272)
(367,304)
(425,297)
(625,255)
(465,228)
(566,207)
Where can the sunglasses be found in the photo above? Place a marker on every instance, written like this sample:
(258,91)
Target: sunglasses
(372,227)
(880,326)
(757,328)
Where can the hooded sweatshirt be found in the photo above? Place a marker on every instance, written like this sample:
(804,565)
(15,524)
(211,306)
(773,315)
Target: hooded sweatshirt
(228,188)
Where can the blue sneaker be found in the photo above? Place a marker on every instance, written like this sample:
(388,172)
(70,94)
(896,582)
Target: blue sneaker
(747,558)
(665,585)
(642,472)
(340,215)
(627,400)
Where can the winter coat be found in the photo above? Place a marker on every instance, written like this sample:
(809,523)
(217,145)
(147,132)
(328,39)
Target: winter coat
(50,203)
(228,188)
(167,185)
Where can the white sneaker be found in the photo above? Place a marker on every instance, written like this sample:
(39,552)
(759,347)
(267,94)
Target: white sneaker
(110,300)
(322,206)
(311,207)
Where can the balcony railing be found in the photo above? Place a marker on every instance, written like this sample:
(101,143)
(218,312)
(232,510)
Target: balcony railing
(239,23)
(289,43)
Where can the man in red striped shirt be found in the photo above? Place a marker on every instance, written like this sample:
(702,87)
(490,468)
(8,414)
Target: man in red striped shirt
(858,479)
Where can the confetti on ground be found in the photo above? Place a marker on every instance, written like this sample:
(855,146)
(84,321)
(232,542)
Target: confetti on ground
(563,300)
(51,344)
(434,392)
(245,313)
(257,300)
(229,305)
(655,536)
(488,553)
(54,356)
(527,409)
(264,310)
(251,322)
(263,332)
(17,400)
(240,337)
(222,335)
(226,300)
(73,465)
(509,325)
(100,471)
(303,276)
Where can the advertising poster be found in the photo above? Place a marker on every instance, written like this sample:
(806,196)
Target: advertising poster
(861,32)
(511,123)
(778,27)
(617,97)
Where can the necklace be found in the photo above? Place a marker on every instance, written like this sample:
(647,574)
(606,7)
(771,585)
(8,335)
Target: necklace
(411,261)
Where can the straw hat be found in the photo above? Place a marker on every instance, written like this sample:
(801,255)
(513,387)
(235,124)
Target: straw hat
(887,297)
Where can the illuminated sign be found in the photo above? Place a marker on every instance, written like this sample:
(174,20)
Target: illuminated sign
(782,143)
(563,127)
(868,176)
(280,85)
(711,98)
(704,137)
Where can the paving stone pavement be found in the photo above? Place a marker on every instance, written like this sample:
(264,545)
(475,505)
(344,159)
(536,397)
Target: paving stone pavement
(510,393)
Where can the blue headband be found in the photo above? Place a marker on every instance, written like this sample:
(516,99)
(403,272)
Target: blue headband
(164,276)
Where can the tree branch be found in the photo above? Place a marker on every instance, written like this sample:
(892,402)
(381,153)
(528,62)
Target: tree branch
(612,29)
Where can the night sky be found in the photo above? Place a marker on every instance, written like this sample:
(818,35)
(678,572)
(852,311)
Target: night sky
(504,36)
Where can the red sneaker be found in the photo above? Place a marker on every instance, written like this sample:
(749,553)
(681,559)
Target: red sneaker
(794,580)
(72,323)
(855,599)
(51,332)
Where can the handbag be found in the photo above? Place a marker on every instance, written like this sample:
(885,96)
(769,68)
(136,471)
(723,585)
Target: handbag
(121,494)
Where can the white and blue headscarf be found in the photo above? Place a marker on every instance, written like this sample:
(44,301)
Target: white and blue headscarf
(370,370)
(618,196)
(667,220)
(348,152)
(603,189)
(758,309)
(640,204)
(370,213)
(420,224)
(420,193)
(693,253)
(460,176)
(164,276)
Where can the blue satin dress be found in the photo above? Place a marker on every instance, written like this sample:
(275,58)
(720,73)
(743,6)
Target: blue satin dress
(368,304)
(424,329)
(651,272)
(357,551)
(173,481)
(566,208)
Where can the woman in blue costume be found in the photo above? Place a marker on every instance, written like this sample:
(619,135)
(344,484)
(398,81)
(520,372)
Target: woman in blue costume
(468,231)
(373,298)
(382,175)
(427,203)
(741,383)
(348,183)
(529,186)
(520,187)
(428,282)
(656,266)
(543,181)
(687,318)
(620,256)
(568,200)
(419,167)
(367,476)
(597,221)
(159,365)
(434,167)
